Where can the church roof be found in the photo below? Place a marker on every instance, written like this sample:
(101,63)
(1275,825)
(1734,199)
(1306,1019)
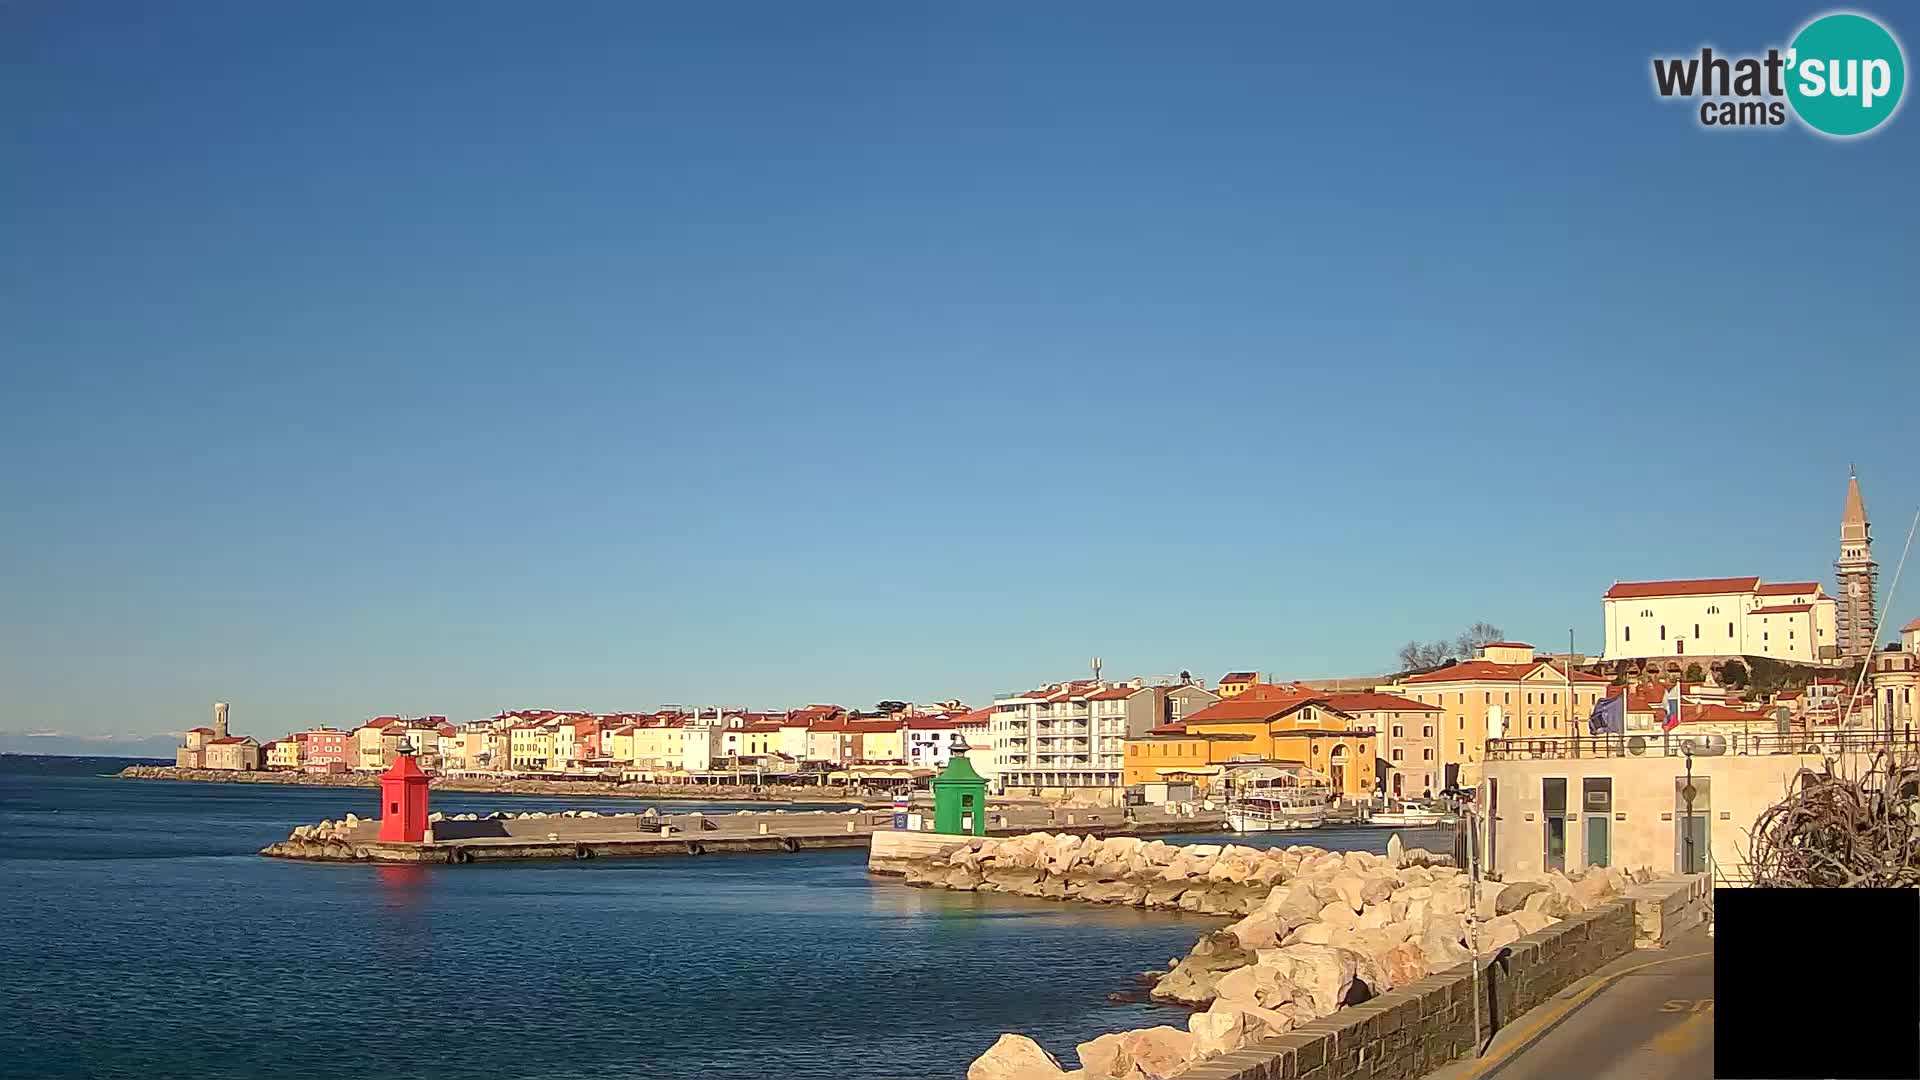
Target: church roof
(1853,521)
(1635,590)
(1787,588)
(1912,626)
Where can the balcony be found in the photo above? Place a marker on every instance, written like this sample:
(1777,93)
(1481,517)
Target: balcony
(1828,742)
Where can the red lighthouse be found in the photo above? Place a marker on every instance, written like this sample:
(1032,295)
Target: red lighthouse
(403,802)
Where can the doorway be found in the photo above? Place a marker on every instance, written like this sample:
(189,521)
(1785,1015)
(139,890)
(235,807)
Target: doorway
(1553,805)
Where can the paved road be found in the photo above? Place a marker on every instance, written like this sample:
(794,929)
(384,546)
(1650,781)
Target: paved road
(1647,1016)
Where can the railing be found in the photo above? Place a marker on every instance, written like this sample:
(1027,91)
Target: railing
(1816,743)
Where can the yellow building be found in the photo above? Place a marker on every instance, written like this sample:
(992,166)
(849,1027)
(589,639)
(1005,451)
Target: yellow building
(283,754)
(1504,692)
(1271,726)
(619,745)
(660,744)
(881,741)
(1235,683)
(529,746)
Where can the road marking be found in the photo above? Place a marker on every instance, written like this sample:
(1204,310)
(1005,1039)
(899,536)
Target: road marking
(1685,1035)
(1539,1020)
(1687,1005)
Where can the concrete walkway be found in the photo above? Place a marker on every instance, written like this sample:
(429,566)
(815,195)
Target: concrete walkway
(1646,1016)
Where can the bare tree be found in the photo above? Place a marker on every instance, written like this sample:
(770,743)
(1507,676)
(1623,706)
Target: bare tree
(1415,655)
(1475,637)
(1412,655)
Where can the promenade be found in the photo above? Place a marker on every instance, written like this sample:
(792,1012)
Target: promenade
(1646,1016)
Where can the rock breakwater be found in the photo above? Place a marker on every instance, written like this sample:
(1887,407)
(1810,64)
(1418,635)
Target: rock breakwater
(1315,930)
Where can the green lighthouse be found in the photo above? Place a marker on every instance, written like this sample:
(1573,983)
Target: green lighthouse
(960,796)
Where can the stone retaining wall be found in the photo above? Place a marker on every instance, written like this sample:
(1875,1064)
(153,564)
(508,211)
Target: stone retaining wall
(1411,1031)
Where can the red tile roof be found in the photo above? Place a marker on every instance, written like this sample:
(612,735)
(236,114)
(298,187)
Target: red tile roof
(1114,693)
(207,730)
(1246,707)
(1177,728)
(1240,676)
(1488,671)
(1698,714)
(976,718)
(1627,590)
(1370,702)
(872,727)
(1910,627)
(766,725)
(1782,609)
(935,723)
(230,740)
(1787,588)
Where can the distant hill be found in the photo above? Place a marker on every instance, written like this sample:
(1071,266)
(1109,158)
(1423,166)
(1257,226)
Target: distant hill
(134,746)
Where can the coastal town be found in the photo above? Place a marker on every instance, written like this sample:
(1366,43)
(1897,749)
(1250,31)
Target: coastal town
(1724,667)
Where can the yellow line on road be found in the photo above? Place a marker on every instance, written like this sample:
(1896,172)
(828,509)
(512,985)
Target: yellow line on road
(1541,1018)
(1683,1036)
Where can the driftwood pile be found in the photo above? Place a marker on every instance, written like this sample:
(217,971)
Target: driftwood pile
(1837,831)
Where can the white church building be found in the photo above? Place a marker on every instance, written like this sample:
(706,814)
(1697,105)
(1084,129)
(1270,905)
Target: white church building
(1793,621)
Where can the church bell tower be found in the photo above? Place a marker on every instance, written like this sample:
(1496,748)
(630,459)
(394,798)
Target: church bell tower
(1857,574)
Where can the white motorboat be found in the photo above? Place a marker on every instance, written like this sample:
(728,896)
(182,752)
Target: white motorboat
(1270,798)
(1412,817)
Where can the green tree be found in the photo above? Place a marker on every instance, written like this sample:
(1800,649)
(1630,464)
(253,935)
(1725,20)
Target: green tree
(1694,674)
(1734,674)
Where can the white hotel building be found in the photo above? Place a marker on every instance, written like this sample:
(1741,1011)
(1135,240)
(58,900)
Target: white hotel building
(1795,622)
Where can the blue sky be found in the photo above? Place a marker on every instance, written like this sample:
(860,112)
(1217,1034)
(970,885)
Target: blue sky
(446,357)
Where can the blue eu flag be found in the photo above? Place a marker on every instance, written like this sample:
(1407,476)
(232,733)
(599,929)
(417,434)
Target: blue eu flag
(1609,716)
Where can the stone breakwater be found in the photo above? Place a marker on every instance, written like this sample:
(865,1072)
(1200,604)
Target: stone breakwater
(1316,930)
(354,838)
(561,788)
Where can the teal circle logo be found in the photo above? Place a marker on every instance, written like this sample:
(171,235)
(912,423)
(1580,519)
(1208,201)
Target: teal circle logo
(1845,73)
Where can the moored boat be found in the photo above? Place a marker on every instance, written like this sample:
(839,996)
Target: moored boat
(1274,798)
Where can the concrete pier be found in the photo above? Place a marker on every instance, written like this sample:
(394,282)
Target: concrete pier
(637,836)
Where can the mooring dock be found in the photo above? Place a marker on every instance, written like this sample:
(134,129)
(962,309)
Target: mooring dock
(638,836)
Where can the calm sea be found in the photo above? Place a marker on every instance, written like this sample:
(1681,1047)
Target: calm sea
(143,937)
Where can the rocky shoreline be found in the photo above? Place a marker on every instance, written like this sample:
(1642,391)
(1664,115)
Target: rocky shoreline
(1317,930)
(549,788)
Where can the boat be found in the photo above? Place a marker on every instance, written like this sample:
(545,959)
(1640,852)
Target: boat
(1268,798)
(1411,817)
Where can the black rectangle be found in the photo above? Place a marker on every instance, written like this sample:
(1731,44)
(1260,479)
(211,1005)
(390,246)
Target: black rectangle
(1816,983)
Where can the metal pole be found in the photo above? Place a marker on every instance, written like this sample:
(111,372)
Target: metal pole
(1473,921)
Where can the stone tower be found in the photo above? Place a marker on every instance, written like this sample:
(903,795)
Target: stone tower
(219,719)
(1857,574)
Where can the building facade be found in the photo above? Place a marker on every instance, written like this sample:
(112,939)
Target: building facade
(1070,738)
(1710,618)
(1857,574)
(1503,691)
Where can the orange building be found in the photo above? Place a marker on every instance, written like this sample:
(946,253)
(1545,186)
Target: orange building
(1235,683)
(1265,724)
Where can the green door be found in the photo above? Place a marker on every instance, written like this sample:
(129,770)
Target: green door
(1599,838)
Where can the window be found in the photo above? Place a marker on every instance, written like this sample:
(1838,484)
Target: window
(1629,633)
(1427,754)
(1460,699)
(1663,631)
(1713,609)
(1696,629)
(1556,699)
(1463,748)
(1396,731)
(1529,699)
(1398,754)
(1646,613)
(1506,699)
(1427,731)
(1729,629)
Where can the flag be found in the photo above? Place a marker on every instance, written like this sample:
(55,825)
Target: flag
(1609,715)
(1672,706)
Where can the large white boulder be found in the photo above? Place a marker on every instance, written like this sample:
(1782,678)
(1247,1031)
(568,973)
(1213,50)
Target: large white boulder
(1015,1057)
